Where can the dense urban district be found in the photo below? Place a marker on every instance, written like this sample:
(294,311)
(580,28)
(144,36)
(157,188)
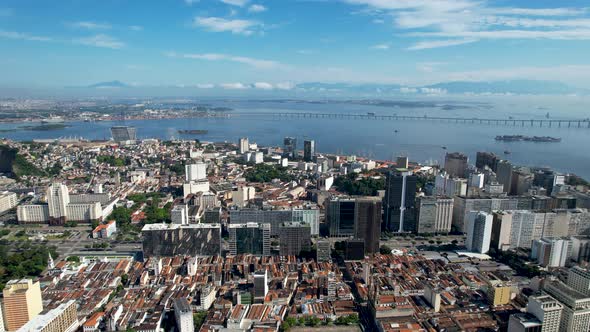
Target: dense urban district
(149,235)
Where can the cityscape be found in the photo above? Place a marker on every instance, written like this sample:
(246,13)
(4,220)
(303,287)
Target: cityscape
(294,166)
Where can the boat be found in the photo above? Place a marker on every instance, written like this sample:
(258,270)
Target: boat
(444,147)
(53,119)
(193,132)
(507,152)
(519,138)
(395,131)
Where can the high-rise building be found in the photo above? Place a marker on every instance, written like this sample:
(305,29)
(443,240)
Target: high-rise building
(476,180)
(547,179)
(167,240)
(290,147)
(260,285)
(581,249)
(58,199)
(400,201)
(244,145)
(308,150)
(456,164)
(402,162)
(576,306)
(498,294)
(8,201)
(551,252)
(445,185)
(504,174)
(340,214)
(179,214)
(249,238)
(523,322)
(528,226)
(63,318)
(309,215)
(579,279)
(22,302)
(548,310)
(183,313)
(501,227)
(522,181)
(196,172)
(367,222)
(124,133)
(294,238)
(435,215)
(324,250)
(479,232)
(484,159)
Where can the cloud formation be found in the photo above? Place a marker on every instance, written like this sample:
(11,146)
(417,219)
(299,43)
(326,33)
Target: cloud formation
(101,40)
(252,62)
(235,26)
(444,23)
(90,25)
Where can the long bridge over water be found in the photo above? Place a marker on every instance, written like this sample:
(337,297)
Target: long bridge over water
(558,123)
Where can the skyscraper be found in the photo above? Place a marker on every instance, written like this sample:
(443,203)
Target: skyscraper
(249,238)
(399,202)
(183,313)
(456,164)
(479,232)
(504,174)
(166,240)
(294,237)
(576,306)
(22,302)
(63,318)
(551,252)
(435,214)
(484,159)
(244,145)
(340,214)
(548,310)
(324,250)
(402,162)
(367,222)
(260,285)
(308,150)
(124,133)
(290,147)
(195,172)
(58,199)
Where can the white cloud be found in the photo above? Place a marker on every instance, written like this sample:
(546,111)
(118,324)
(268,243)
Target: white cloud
(218,24)
(135,28)
(23,36)
(433,91)
(285,86)
(101,40)
(206,86)
(423,45)
(457,22)
(190,2)
(381,47)
(252,62)
(263,86)
(306,52)
(90,25)
(239,3)
(429,67)
(257,8)
(233,86)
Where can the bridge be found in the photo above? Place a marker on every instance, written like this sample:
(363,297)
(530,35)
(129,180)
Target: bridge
(549,123)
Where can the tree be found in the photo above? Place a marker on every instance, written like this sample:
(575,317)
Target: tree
(198,319)
(385,250)
(74,259)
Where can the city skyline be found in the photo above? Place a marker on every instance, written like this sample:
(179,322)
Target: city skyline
(272,46)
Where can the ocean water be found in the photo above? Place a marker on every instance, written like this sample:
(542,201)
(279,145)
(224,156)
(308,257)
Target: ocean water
(422,141)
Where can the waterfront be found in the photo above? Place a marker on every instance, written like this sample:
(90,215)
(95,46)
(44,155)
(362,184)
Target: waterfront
(420,140)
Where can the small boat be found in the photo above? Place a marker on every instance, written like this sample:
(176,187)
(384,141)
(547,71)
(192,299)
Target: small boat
(507,152)
(395,131)
(444,147)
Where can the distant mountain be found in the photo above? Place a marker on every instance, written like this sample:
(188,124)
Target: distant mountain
(106,85)
(504,87)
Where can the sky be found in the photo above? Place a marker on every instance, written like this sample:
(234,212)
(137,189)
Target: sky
(275,44)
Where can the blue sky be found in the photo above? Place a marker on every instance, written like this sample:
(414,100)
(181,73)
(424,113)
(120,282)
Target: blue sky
(275,44)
